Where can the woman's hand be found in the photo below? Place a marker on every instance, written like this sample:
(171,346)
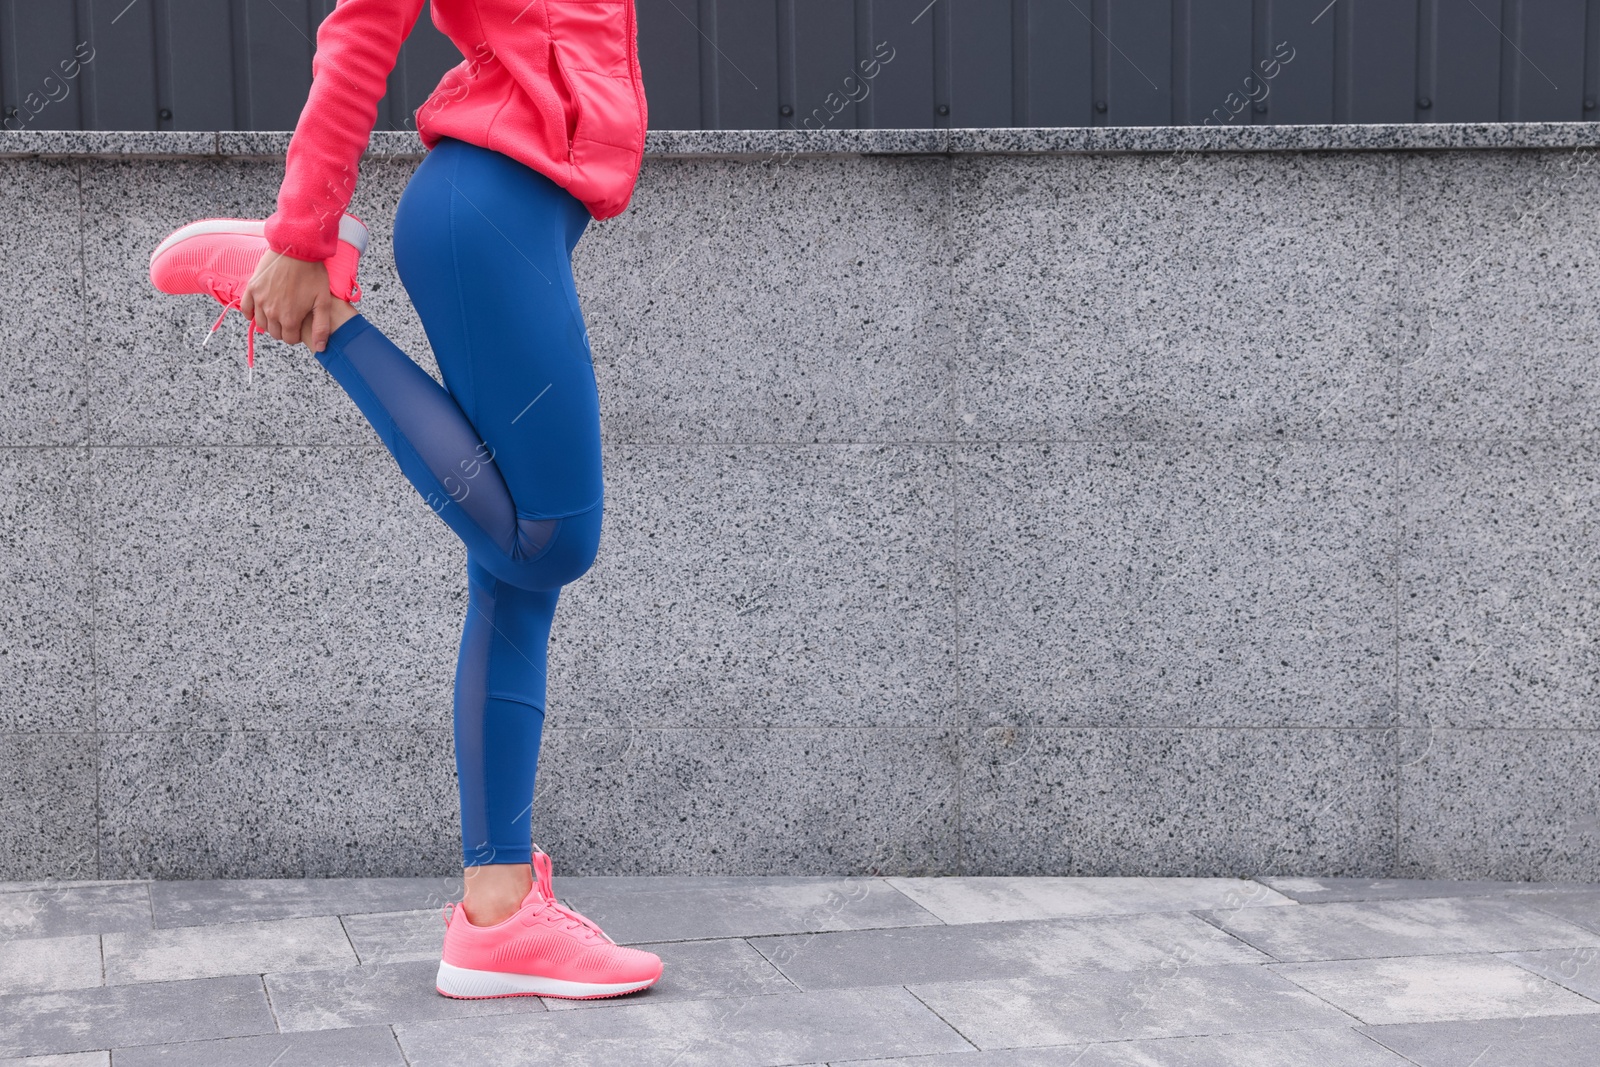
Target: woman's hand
(285,296)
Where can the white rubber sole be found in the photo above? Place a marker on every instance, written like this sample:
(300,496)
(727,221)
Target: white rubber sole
(472,985)
(351,230)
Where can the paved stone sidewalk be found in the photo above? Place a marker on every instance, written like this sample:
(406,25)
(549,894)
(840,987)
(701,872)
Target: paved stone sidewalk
(893,972)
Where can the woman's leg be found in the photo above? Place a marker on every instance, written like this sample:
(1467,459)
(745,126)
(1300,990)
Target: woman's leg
(509,457)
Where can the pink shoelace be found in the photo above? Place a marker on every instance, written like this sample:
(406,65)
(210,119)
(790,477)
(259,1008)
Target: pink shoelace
(574,918)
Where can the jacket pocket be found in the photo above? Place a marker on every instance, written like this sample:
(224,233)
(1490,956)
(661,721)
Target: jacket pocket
(567,90)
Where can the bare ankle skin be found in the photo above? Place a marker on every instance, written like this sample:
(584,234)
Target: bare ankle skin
(341,313)
(494,891)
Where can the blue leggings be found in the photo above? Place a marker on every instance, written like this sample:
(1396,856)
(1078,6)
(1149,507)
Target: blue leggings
(507,454)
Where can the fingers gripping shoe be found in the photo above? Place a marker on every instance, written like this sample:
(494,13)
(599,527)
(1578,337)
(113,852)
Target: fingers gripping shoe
(544,949)
(216,258)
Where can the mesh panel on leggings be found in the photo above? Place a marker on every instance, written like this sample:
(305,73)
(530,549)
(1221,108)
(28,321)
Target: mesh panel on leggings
(444,439)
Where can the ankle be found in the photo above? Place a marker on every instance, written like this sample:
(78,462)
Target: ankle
(494,891)
(341,313)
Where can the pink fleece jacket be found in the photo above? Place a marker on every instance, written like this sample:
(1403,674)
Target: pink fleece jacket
(554,84)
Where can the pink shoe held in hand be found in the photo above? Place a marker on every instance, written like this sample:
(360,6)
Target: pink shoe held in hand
(543,950)
(217,257)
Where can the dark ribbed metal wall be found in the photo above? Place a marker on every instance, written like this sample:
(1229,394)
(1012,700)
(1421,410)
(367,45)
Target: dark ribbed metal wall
(731,64)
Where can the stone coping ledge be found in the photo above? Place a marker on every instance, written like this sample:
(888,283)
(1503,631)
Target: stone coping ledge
(781,144)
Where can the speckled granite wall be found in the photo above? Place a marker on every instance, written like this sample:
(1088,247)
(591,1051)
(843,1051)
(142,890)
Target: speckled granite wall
(997,502)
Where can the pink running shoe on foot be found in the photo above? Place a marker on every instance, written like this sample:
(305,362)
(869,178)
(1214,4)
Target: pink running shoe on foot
(216,257)
(543,950)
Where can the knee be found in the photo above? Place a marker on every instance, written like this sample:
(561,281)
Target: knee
(570,554)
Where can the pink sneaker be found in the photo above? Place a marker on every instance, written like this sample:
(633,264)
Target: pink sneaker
(544,950)
(216,257)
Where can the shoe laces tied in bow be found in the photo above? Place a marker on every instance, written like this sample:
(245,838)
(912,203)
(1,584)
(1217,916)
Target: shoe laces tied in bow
(576,919)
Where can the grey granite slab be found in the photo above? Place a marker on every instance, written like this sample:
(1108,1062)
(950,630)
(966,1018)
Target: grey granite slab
(1100,139)
(1370,929)
(986,900)
(1499,253)
(375,993)
(83,1020)
(1122,1006)
(819,801)
(705,318)
(760,1031)
(1407,989)
(45,615)
(1578,969)
(1338,890)
(153,381)
(43,363)
(1331,1047)
(982,951)
(279,803)
(1194,584)
(702,970)
(197,903)
(643,911)
(1499,576)
(1570,1040)
(1582,908)
(763,585)
(47,818)
(44,964)
(1487,803)
(69,910)
(1135,801)
(368,1046)
(226,948)
(312,559)
(1102,298)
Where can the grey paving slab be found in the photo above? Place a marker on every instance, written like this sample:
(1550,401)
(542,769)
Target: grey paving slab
(1480,242)
(1582,908)
(702,970)
(714,801)
(239,644)
(1173,1001)
(43,360)
(1333,1047)
(69,910)
(1497,573)
(227,948)
(47,816)
(1370,929)
(1578,969)
(371,1046)
(258,803)
(1567,1040)
(1001,950)
(396,937)
(70,1059)
(1483,802)
(807,585)
(375,993)
(83,1020)
(42,964)
(66,883)
(195,903)
(643,912)
(1051,801)
(1408,989)
(760,1031)
(1338,890)
(1145,583)
(773,362)
(45,614)
(982,900)
(1070,273)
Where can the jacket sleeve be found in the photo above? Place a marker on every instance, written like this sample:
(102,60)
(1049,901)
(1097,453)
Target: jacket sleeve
(357,46)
